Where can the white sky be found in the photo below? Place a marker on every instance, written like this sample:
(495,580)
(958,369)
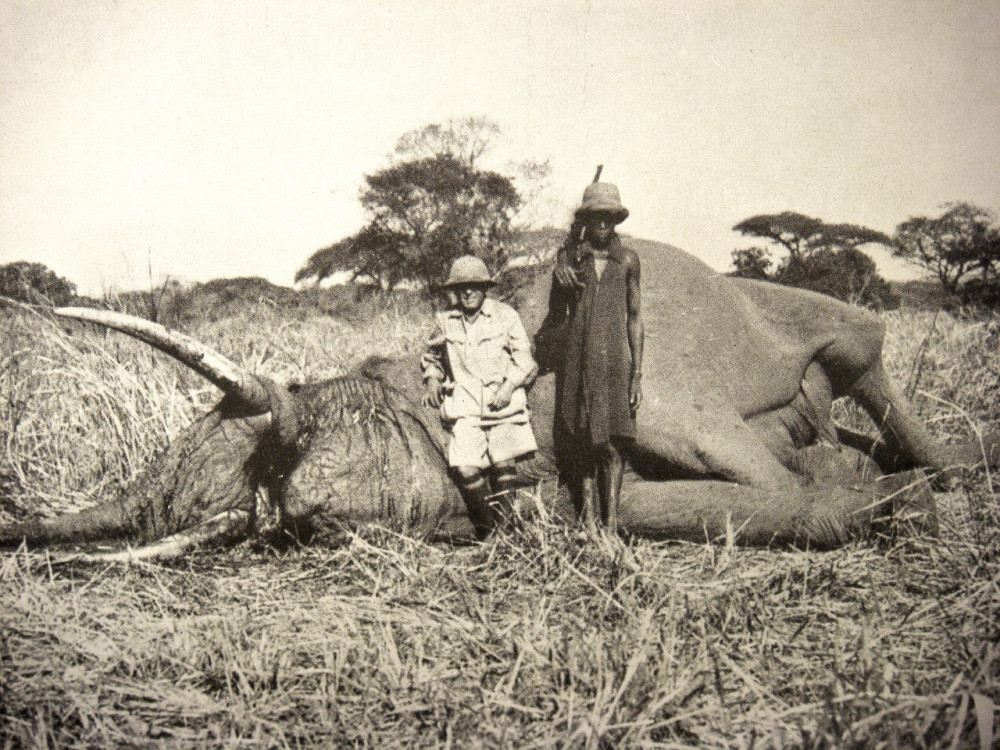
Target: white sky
(225,138)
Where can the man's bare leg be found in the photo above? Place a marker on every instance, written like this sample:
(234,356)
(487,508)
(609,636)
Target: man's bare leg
(590,508)
(611,469)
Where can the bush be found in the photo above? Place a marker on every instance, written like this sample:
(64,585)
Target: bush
(847,274)
(981,293)
(751,263)
(35,284)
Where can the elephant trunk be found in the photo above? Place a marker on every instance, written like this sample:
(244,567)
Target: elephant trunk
(208,470)
(226,526)
(107,520)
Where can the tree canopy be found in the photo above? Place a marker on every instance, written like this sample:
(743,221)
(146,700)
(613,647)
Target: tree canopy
(819,256)
(800,235)
(466,139)
(425,210)
(961,247)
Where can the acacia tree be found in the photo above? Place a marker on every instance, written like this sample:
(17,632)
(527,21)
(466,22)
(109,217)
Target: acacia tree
(35,283)
(793,231)
(372,253)
(819,256)
(427,209)
(962,242)
(802,235)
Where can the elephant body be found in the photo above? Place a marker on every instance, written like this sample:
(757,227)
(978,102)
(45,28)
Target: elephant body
(735,436)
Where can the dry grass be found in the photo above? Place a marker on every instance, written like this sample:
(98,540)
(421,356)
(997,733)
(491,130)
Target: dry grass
(529,640)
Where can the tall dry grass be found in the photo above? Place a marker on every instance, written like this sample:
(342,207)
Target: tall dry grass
(532,639)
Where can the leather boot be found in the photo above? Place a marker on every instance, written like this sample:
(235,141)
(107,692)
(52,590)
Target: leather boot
(477,495)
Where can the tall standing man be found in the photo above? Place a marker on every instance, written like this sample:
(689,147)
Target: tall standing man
(599,378)
(476,366)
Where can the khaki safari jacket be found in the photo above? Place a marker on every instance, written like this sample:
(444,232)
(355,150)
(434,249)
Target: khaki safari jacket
(474,358)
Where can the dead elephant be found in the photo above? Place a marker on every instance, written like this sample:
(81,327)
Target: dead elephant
(735,435)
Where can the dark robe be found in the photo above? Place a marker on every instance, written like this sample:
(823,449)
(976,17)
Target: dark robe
(594,374)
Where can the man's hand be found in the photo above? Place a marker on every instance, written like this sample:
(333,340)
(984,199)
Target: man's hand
(565,276)
(433,391)
(635,392)
(501,400)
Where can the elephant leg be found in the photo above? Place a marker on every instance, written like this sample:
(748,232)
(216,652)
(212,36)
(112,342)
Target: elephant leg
(804,421)
(839,464)
(716,444)
(907,443)
(874,447)
(819,516)
(914,507)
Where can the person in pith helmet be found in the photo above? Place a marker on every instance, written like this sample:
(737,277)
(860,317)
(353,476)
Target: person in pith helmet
(593,339)
(475,368)
(600,200)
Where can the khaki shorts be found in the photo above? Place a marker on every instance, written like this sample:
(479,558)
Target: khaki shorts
(473,444)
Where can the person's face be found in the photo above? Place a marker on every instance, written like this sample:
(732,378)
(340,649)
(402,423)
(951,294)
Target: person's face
(600,228)
(470,297)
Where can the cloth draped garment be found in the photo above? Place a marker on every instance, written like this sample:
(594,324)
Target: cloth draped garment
(595,374)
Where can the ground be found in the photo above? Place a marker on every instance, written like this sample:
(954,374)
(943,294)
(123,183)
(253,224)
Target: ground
(531,640)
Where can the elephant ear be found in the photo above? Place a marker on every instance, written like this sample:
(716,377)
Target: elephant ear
(403,383)
(247,389)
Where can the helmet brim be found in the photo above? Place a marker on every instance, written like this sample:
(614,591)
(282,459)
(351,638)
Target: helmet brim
(617,213)
(468,282)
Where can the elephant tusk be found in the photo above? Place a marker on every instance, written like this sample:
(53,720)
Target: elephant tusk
(233,380)
(223,527)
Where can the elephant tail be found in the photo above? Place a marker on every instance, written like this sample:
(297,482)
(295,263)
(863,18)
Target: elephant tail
(230,525)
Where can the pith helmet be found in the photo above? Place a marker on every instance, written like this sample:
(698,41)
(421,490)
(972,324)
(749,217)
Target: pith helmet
(468,269)
(602,197)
